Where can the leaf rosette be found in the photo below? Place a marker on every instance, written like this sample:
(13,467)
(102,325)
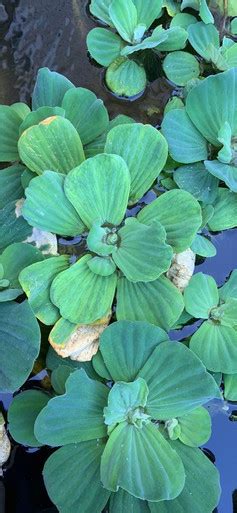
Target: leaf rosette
(114,439)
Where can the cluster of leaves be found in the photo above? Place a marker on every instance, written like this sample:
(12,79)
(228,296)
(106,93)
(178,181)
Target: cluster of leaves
(133,445)
(130,44)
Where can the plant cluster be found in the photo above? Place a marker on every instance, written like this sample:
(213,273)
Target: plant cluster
(85,256)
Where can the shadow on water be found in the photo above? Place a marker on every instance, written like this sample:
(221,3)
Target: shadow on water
(53,33)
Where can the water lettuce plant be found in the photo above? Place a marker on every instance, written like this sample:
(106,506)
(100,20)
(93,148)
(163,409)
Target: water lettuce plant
(205,130)
(201,6)
(122,52)
(215,341)
(205,39)
(130,254)
(119,441)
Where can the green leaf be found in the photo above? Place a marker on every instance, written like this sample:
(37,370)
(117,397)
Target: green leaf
(10,184)
(123,15)
(224,172)
(202,37)
(229,289)
(21,109)
(180,67)
(19,344)
(145,152)
(97,146)
(75,416)
(158,302)
(16,257)
(59,377)
(81,295)
(36,280)
(203,246)
(36,116)
(180,225)
(107,200)
(47,207)
(22,415)
(103,45)
(125,347)
(183,20)
(126,402)
(177,380)
(216,346)
(201,491)
(125,77)
(195,427)
(100,9)
(186,144)
(230,387)
(142,254)
(12,228)
(53,144)
(141,462)
(101,240)
(225,211)
(104,266)
(147,12)
(122,501)
(212,103)
(53,361)
(233,26)
(176,40)
(49,89)
(194,179)
(86,112)
(10,122)
(226,313)
(157,37)
(201,295)
(72,478)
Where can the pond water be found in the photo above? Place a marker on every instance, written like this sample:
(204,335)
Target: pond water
(52,33)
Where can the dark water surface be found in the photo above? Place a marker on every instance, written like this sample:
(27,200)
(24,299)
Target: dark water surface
(52,33)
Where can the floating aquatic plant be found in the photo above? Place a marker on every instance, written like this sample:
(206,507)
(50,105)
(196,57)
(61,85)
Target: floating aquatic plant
(121,443)
(121,52)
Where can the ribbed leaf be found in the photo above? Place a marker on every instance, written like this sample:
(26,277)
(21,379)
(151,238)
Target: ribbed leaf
(124,402)
(180,224)
(10,122)
(10,184)
(86,112)
(201,492)
(36,116)
(180,67)
(229,289)
(81,295)
(213,102)
(216,346)
(122,501)
(19,344)
(225,211)
(202,37)
(16,257)
(230,387)
(141,462)
(145,152)
(97,146)
(99,189)
(195,427)
(176,40)
(157,37)
(177,380)
(103,45)
(186,144)
(201,295)
(22,415)
(224,172)
(36,281)
(53,144)
(147,12)
(12,228)
(203,246)
(49,89)
(158,302)
(75,416)
(100,9)
(59,377)
(183,20)
(72,478)
(125,77)
(142,254)
(47,207)
(125,347)
(124,17)
(194,179)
